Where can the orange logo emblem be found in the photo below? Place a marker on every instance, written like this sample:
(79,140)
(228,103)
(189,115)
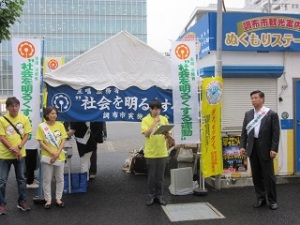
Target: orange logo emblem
(26,49)
(182,51)
(53,64)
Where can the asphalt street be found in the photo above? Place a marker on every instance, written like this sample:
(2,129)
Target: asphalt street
(116,197)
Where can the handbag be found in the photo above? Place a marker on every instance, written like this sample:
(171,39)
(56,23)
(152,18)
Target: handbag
(139,165)
(170,141)
(78,183)
(185,155)
(47,160)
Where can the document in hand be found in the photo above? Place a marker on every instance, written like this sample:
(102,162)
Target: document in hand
(163,128)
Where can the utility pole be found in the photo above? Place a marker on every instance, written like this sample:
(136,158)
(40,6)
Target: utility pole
(218,66)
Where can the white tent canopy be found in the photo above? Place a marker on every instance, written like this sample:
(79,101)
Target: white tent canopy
(121,61)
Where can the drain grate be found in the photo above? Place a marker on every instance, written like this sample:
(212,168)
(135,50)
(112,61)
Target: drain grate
(192,211)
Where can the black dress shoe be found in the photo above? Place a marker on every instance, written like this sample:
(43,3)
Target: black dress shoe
(150,201)
(260,203)
(273,206)
(161,201)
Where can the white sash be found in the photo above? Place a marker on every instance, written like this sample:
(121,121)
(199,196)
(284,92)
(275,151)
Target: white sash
(259,116)
(49,135)
(86,136)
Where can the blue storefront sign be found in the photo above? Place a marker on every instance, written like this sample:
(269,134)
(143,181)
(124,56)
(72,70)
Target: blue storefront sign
(110,104)
(250,32)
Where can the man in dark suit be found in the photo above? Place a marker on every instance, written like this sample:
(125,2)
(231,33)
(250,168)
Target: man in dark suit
(260,139)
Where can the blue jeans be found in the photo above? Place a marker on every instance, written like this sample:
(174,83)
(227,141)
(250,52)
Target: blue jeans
(19,165)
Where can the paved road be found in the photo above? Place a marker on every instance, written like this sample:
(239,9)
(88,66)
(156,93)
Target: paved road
(123,137)
(115,197)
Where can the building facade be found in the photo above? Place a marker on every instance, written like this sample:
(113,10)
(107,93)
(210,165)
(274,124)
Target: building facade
(275,6)
(260,51)
(71,27)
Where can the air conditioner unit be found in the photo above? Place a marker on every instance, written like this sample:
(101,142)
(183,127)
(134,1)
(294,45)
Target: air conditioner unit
(181,181)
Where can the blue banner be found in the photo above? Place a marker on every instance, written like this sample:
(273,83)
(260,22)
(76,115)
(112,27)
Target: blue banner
(110,104)
(247,32)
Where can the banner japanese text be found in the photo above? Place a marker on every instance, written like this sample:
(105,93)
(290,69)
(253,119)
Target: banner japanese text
(26,81)
(185,93)
(211,145)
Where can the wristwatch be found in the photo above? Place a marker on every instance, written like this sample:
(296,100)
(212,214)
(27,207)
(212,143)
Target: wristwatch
(20,147)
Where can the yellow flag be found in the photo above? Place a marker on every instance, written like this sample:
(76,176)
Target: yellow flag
(211,142)
(52,63)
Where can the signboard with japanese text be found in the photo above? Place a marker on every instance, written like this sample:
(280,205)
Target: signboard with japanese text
(233,161)
(185,93)
(110,104)
(211,142)
(52,63)
(261,32)
(247,32)
(26,81)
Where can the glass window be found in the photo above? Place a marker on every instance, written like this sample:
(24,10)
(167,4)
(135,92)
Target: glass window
(87,8)
(59,6)
(80,8)
(59,25)
(134,27)
(65,26)
(48,25)
(66,7)
(7,82)
(118,25)
(82,25)
(119,9)
(95,8)
(75,6)
(124,8)
(134,9)
(102,25)
(66,42)
(112,8)
(140,9)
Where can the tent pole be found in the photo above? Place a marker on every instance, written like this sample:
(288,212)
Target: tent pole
(39,199)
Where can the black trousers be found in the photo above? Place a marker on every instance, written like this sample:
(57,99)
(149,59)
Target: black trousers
(263,175)
(31,163)
(93,160)
(156,171)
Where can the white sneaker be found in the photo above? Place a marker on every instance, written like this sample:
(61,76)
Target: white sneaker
(33,185)
(92,176)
